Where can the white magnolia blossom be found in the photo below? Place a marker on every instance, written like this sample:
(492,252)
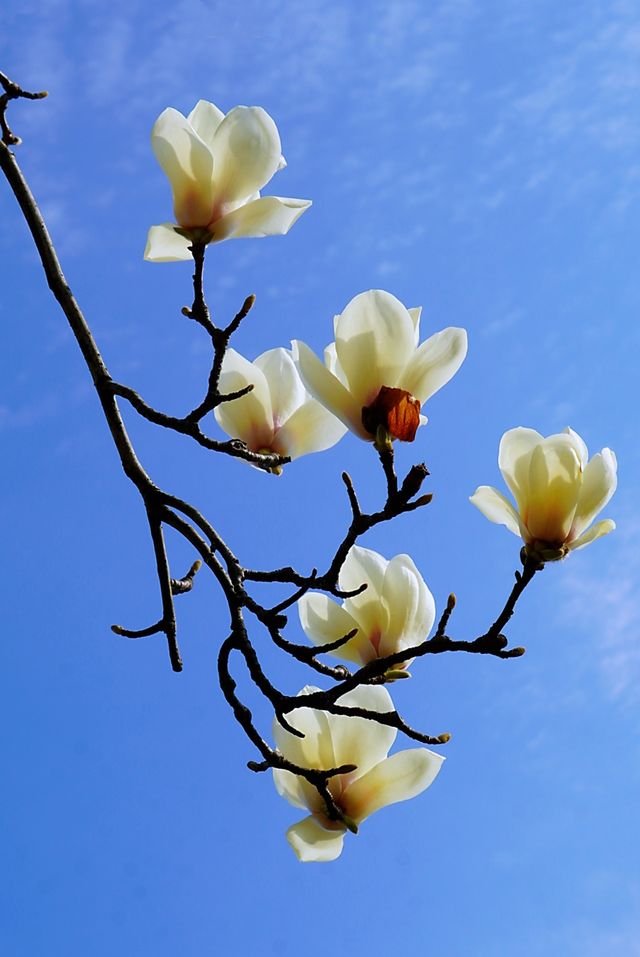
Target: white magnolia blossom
(558,491)
(333,740)
(376,374)
(394,612)
(278,415)
(217,165)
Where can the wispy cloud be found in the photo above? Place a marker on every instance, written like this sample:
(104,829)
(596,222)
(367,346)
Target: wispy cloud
(603,597)
(575,107)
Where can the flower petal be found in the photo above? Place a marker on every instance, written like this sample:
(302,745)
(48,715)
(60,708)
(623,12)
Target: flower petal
(165,245)
(579,445)
(596,531)
(311,428)
(332,364)
(496,507)
(188,164)
(314,750)
(313,843)
(516,447)
(248,418)
(285,386)
(374,343)
(289,786)
(599,482)
(267,216)
(398,778)
(362,565)
(205,118)
(361,741)
(246,150)
(410,604)
(323,621)
(327,389)
(435,362)
(554,485)
(415,312)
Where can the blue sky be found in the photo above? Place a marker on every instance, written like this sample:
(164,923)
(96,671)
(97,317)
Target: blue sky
(481,160)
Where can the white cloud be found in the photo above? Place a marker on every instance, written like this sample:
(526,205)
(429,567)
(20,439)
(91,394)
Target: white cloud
(601,593)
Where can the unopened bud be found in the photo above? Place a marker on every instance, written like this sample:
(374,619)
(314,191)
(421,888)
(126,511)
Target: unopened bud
(413,481)
(396,674)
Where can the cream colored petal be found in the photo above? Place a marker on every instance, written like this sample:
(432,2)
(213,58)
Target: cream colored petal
(601,528)
(599,482)
(285,386)
(250,417)
(267,216)
(364,565)
(579,445)
(327,389)
(205,118)
(289,786)
(496,507)
(516,447)
(165,245)
(314,750)
(313,843)
(323,621)
(361,741)
(332,364)
(411,607)
(374,343)
(398,778)
(435,362)
(415,312)
(554,485)
(188,164)
(311,428)
(247,152)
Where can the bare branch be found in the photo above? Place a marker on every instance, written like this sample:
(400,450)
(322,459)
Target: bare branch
(164,509)
(13,92)
(186,426)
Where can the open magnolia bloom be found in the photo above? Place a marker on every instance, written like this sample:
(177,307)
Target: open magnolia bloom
(278,415)
(217,165)
(558,491)
(394,612)
(376,376)
(331,741)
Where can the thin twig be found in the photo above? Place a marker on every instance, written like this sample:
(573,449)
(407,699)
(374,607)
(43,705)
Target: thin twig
(13,92)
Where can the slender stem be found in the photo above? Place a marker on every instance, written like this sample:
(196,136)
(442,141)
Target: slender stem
(530,567)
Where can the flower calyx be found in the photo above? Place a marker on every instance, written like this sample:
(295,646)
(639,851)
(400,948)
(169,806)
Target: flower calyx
(395,412)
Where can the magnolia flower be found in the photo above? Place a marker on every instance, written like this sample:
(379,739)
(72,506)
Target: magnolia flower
(277,415)
(217,165)
(558,491)
(376,376)
(331,741)
(394,612)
